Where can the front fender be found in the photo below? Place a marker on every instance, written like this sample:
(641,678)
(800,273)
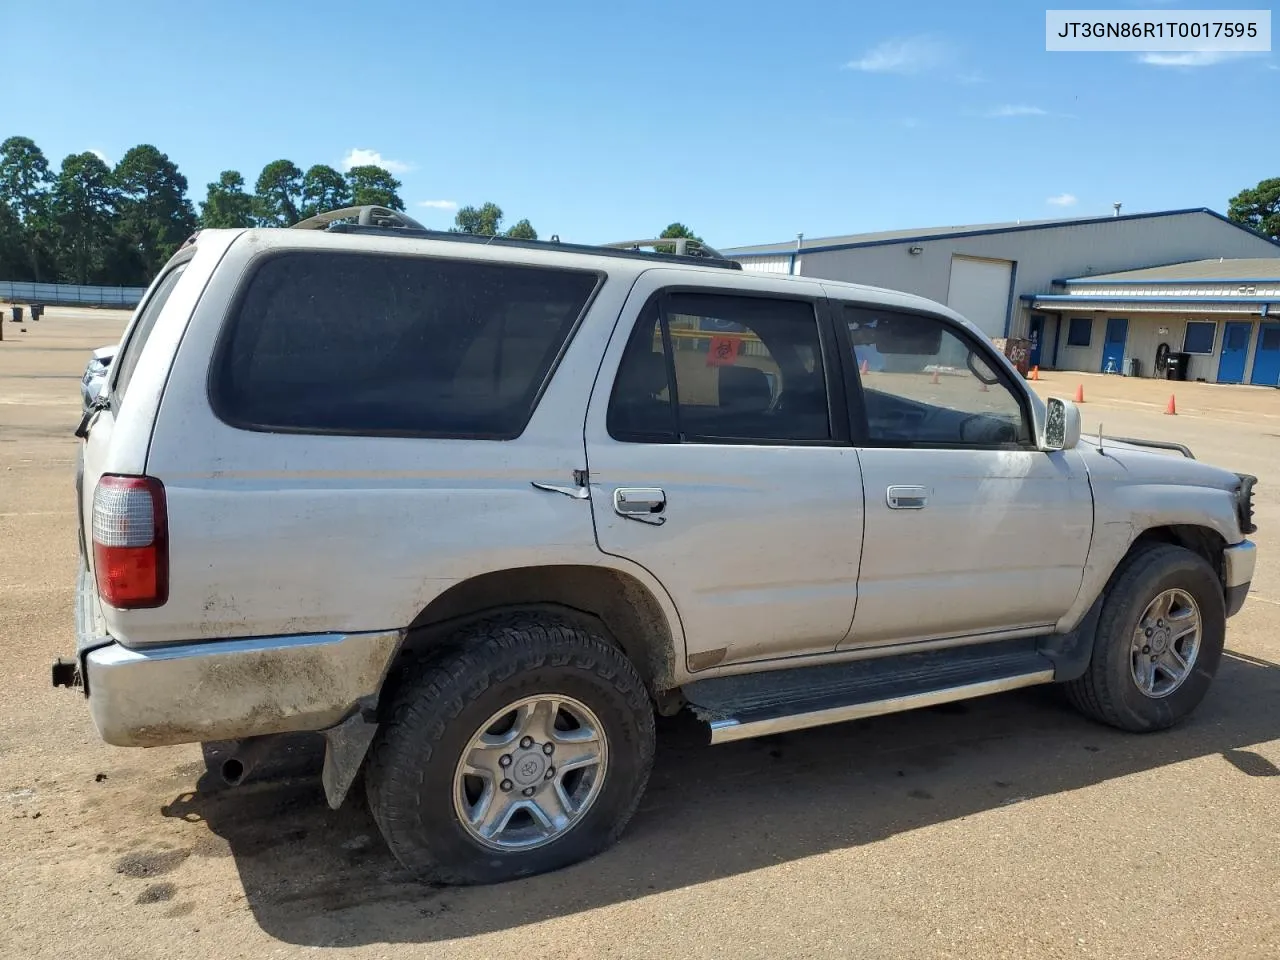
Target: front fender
(1124,511)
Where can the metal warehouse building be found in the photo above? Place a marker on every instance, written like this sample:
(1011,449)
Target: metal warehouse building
(1092,293)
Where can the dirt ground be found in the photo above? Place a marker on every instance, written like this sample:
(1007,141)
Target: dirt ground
(1003,828)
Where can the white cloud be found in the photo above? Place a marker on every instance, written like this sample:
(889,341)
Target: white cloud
(907,55)
(439,204)
(360,157)
(971,76)
(1017,110)
(101,156)
(1063,200)
(1193,58)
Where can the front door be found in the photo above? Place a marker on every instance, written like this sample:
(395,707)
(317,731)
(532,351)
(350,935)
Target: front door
(1113,346)
(1037,337)
(1266,362)
(970,529)
(715,464)
(1235,347)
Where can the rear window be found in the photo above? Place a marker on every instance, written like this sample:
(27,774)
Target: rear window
(404,346)
(127,362)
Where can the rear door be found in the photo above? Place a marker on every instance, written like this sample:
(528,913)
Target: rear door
(970,529)
(716,464)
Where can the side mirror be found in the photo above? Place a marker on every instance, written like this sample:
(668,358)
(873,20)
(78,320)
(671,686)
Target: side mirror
(1062,425)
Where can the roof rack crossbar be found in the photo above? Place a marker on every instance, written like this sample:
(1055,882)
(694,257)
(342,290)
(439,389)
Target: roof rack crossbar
(368,215)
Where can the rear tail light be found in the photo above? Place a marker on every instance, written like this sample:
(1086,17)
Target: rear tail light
(130,542)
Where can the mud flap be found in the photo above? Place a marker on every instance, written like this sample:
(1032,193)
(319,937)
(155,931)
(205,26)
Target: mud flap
(1072,652)
(344,748)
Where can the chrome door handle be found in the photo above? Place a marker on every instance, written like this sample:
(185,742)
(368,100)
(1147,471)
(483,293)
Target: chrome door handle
(645,504)
(906,497)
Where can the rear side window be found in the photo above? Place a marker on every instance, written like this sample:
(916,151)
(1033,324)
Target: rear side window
(402,346)
(128,359)
(745,368)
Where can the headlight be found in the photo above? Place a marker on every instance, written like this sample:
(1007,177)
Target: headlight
(1244,503)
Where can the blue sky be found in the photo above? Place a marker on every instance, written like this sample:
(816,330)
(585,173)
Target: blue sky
(748,121)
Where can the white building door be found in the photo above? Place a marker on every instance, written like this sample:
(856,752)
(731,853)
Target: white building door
(979,291)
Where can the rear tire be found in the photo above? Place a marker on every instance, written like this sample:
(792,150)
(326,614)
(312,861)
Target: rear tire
(523,693)
(1133,681)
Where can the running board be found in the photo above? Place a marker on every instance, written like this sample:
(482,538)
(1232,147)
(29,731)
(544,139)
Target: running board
(777,701)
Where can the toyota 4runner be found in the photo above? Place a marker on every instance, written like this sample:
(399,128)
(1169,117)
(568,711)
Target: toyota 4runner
(476,509)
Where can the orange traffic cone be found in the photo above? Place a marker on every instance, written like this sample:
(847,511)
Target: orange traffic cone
(1035,373)
(864,368)
(934,378)
(1172,408)
(1080,393)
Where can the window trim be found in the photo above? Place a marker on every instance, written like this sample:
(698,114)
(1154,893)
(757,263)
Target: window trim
(673,437)
(179,261)
(828,353)
(233,318)
(1088,342)
(859,424)
(1213,341)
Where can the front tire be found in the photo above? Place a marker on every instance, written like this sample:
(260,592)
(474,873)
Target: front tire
(1159,641)
(523,752)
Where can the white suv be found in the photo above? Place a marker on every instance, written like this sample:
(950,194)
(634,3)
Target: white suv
(476,508)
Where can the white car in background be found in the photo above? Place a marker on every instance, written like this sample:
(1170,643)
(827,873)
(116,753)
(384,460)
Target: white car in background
(95,373)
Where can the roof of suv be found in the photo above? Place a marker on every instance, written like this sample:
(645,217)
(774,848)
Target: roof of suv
(330,231)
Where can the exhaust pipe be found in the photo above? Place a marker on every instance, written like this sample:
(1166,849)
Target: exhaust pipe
(245,756)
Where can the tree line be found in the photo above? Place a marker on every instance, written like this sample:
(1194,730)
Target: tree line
(91,223)
(1258,208)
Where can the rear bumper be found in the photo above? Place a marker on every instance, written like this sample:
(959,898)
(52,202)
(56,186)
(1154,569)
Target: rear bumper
(1238,562)
(233,689)
(220,689)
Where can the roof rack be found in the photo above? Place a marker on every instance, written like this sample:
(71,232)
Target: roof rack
(385,222)
(369,215)
(684,247)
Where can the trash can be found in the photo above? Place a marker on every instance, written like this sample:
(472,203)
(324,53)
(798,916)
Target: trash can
(16,313)
(37,311)
(1176,366)
(1133,368)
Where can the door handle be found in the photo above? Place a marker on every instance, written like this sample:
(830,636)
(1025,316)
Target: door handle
(901,497)
(645,504)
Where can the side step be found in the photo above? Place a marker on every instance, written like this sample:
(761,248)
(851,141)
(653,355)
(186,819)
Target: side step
(776,701)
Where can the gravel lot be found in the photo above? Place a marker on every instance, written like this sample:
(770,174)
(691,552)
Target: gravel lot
(1007,827)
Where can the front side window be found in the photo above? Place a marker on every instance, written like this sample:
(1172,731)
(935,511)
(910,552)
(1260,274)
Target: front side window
(365,344)
(745,369)
(923,383)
